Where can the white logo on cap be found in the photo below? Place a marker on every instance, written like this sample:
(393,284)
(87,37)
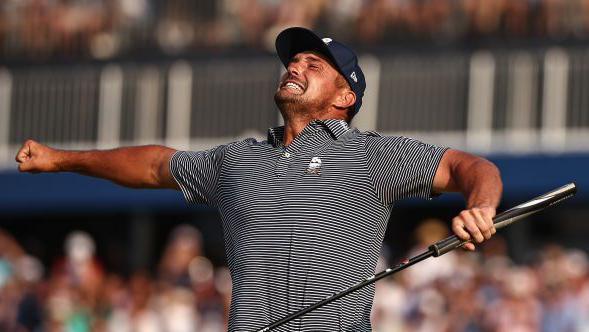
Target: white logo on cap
(353,76)
(327,40)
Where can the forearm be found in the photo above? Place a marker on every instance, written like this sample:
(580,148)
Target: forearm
(137,167)
(479,181)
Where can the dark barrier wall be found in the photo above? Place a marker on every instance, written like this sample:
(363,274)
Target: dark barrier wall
(524,178)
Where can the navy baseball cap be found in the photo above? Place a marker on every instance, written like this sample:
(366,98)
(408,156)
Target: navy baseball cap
(296,40)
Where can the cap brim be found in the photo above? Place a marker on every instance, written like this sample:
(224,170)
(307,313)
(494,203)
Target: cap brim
(296,40)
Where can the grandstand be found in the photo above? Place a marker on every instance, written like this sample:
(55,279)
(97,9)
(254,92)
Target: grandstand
(508,80)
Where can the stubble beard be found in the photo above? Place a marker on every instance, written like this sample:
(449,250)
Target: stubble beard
(292,106)
(289,105)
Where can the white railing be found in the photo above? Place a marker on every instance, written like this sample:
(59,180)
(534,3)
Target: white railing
(519,102)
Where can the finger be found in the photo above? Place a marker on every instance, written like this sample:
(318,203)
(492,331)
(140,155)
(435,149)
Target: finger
(471,226)
(23,154)
(458,229)
(489,218)
(491,224)
(488,214)
(25,166)
(469,246)
(482,224)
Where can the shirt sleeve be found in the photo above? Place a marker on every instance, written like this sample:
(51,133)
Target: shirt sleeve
(402,167)
(197,174)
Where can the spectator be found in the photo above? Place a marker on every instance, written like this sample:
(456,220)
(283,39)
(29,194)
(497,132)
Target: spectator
(481,292)
(40,29)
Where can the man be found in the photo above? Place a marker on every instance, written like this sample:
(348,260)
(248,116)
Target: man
(304,213)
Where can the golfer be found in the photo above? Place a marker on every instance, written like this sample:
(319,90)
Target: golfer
(305,211)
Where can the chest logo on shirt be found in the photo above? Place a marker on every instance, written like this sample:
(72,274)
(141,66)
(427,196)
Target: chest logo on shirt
(314,166)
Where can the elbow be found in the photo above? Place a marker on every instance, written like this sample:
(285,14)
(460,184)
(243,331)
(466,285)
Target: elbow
(160,176)
(491,171)
(140,183)
(154,178)
(492,168)
(471,166)
(144,179)
(497,173)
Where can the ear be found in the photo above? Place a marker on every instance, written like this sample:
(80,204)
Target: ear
(345,99)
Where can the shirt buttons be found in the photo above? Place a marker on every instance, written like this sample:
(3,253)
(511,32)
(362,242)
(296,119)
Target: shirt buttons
(286,155)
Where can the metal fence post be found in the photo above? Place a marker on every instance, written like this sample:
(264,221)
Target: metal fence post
(179,105)
(554,107)
(5,102)
(148,99)
(522,94)
(109,112)
(480,102)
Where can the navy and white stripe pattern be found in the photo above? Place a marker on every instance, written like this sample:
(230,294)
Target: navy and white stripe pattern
(304,221)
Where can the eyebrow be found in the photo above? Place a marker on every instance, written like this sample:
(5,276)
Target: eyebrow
(309,58)
(313,58)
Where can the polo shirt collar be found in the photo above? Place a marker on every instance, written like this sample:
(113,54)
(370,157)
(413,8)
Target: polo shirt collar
(336,128)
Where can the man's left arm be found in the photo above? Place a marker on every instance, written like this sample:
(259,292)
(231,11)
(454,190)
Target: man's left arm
(479,181)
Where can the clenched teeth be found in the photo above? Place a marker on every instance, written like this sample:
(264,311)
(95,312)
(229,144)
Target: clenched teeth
(293,86)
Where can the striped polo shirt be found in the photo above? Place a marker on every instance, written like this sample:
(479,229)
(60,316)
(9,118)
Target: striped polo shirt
(303,221)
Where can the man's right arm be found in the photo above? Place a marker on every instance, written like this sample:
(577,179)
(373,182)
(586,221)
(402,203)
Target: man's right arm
(136,167)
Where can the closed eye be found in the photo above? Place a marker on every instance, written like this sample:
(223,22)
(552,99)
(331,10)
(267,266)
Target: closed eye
(314,67)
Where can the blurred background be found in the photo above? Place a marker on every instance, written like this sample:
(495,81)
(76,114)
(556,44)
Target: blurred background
(507,79)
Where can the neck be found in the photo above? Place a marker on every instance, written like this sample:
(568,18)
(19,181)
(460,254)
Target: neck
(295,120)
(292,129)
(295,125)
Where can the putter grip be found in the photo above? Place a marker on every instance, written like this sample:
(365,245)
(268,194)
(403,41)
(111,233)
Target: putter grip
(507,217)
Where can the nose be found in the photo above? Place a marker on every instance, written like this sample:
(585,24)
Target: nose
(294,69)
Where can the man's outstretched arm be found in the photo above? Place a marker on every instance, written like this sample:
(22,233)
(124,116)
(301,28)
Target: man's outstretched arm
(480,182)
(136,167)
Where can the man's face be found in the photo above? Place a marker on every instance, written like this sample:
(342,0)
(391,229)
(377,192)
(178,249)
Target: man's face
(309,84)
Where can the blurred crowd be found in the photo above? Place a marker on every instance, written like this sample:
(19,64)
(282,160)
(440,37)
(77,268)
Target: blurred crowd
(77,294)
(458,292)
(485,291)
(41,29)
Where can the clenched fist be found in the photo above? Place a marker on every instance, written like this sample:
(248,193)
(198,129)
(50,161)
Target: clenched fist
(35,157)
(475,224)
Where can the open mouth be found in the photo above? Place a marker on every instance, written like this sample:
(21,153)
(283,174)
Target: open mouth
(296,87)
